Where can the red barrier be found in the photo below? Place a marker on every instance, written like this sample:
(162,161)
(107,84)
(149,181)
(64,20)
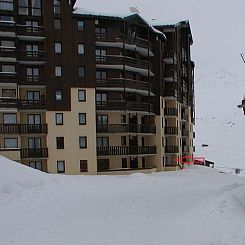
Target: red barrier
(191,160)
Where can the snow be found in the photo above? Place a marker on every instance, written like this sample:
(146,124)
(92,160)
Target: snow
(194,206)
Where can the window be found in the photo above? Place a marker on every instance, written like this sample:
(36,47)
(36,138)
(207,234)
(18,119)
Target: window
(58,71)
(103,164)
(34,119)
(9,118)
(82,118)
(9,93)
(101,97)
(36,7)
(36,165)
(124,163)
(123,119)
(100,55)
(34,143)
(33,95)
(59,95)
(7,5)
(32,74)
(81,48)
(83,166)
(100,32)
(57,24)
(57,48)
(80,25)
(60,142)
(7,43)
(60,166)
(7,19)
(101,76)
(81,71)
(57,6)
(23,7)
(32,50)
(123,140)
(102,141)
(102,119)
(83,142)
(10,143)
(8,68)
(81,95)
(59,118)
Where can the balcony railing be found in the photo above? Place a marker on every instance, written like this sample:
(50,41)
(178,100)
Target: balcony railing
(171,112)
(171,90)
(34,153)
(126,150)
(7,52)
(115,105)
(124,83)
(185,149)
(7,26)
(31,55)
(23,129)
(170,57)
(185,117)
(171,130)
(126,128)
(123,60)
(8,77)
(8,103)
(171,74)
(171,149)
(32,80)
(32,104)
(26,30)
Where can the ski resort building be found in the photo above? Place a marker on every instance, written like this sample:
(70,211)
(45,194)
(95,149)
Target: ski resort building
(89,93)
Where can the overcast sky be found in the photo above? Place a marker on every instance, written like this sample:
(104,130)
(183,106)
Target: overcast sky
(218,27)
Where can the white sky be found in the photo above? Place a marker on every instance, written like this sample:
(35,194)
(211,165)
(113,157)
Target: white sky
(218,27)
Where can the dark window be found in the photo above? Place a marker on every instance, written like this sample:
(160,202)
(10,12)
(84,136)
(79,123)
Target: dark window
(123,119)
(32,74)
(9,118)
(34,143)
(83,142)
(60,166)
(33,95)
(101,97)
(10,143)
(81,71)
(100,32)
(36,165)
(80,25)
(81,48)
(23,7)
(57,24)
(36,7)
(102,141)
(81,95)
(124,163)
(34,119)
(103,164)
(83,166)
(57,6)
(58,48)
(9,93)
(59,95)
(58,71)
(123,140)
(102,119)
(59,118)
(100,55)
(101,76)
(60,142)
(7,5)
(82,118)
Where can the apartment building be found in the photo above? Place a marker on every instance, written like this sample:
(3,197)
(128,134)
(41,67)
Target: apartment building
(84,93)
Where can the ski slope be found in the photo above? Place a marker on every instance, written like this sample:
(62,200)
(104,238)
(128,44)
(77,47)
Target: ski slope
(195,206)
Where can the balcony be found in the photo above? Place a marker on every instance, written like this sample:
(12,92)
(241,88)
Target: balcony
(34,153)
(7,52)
(23,129)
(171,112)
(34,33)
(171,131)
(8,103)
(126,128)
(8,77)
(170,75)
(115,105)
(126,150)
(32,81)
(171,90)
(185,149)
(7,28)
(129,85)
(171,149)
(32,57)
(32,104)
(185,133)
(170,57)
(184,117)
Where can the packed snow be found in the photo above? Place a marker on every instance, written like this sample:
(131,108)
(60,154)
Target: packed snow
(195,206)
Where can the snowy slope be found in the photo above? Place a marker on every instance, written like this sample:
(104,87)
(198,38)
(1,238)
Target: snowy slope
(37,208)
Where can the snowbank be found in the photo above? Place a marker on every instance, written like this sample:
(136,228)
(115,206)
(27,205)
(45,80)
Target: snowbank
(194,206)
